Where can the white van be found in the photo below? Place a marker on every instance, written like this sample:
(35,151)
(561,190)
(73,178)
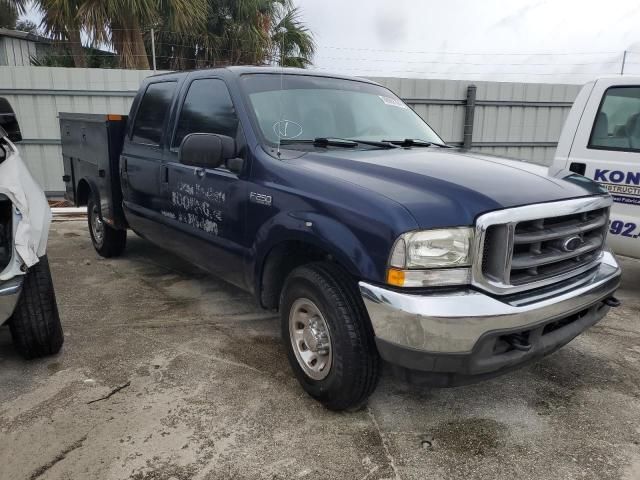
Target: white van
(601,140)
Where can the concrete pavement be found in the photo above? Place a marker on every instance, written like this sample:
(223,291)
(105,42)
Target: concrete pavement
(169,373)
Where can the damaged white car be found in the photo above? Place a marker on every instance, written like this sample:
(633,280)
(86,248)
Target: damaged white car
(27,297)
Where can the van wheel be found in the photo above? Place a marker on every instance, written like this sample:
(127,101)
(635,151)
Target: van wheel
(35,323)
(107,241)
(328,337)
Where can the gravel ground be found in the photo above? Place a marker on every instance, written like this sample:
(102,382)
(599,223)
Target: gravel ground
(168,373)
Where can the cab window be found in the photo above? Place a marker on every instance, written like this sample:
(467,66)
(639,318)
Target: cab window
(617,123)
(207,108)
(152,113)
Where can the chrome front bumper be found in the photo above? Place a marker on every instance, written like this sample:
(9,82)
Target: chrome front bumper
(9,294)
(454,322)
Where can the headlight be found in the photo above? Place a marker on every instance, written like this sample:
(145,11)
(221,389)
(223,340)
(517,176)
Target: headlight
(446,247)
(415,253)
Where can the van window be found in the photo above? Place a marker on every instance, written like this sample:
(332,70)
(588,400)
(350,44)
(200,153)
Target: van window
(152,113)
(207,108)
(617,124)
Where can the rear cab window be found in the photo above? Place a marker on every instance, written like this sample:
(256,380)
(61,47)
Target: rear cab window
(152,113)
(617,123)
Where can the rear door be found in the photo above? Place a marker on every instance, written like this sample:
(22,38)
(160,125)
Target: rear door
(142,155)
(607,146)
(208,205)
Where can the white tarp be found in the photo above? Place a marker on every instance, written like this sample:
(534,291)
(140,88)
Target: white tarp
(32,231)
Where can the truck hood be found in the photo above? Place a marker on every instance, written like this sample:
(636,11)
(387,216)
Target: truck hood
(448,187)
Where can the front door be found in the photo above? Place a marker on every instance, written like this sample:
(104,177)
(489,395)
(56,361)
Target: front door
(610,150)
(207,205)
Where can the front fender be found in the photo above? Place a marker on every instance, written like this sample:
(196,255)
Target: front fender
(327,234)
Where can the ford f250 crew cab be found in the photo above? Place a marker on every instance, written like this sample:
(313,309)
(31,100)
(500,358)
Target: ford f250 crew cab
(336,204)
(601,140)
(27,297)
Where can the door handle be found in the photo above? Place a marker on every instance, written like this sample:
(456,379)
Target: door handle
(200,172)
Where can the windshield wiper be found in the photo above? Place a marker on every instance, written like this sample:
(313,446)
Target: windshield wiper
(414,142)
(337,142)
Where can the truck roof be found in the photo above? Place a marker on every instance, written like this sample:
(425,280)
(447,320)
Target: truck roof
(242,70)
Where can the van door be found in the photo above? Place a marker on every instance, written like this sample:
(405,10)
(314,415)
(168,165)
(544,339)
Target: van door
(607,148)
(142,157)
(208,205)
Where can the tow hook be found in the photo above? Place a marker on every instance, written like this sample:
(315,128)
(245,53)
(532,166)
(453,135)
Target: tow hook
(612,302)
(518,342)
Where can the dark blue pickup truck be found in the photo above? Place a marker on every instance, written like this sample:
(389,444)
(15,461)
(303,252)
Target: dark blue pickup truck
(336,204)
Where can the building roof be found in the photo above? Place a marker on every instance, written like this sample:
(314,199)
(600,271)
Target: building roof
(29,37)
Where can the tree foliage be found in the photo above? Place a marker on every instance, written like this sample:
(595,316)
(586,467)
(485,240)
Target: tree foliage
(238,32)
(188,33)
(8,14)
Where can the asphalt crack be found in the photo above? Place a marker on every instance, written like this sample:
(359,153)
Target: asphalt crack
(385,446)
(111,393)
(61,456)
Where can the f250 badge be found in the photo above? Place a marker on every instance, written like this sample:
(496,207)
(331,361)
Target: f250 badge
(260,198)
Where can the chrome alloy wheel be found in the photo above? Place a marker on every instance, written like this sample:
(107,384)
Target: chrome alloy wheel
(309,336)
(97,226)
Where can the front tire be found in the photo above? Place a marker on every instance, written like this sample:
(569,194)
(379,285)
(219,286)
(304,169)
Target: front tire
(107,241)
(328,336)
(35,323)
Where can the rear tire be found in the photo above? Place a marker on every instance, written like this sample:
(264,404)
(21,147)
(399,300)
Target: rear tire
(324,321)
(35,324)
(107,241)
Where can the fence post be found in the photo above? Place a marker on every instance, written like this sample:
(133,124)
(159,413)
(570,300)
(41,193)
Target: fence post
(469,113)
(624,60)
(153,49)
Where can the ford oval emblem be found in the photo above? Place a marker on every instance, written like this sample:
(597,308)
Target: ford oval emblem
(287,129)
(571,244)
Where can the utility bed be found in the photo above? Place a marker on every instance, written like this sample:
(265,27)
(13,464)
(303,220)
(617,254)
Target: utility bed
(91,146)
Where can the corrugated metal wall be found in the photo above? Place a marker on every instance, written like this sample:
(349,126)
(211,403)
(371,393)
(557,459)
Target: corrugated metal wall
(38,94)
(15,51)
(520,120)
(513,119)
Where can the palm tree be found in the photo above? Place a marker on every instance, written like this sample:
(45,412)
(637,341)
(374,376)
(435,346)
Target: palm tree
(60,21)
(293,43)
(253,31)
(120,23)
(8,14)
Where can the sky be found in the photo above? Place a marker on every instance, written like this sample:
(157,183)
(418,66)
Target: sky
(555,41)
(567,41)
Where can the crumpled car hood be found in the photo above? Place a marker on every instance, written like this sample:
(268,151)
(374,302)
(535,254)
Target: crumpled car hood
(26,195)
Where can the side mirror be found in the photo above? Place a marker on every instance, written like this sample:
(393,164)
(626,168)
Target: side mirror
(207,150)
(9,121)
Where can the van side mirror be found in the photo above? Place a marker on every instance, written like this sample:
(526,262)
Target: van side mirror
(9,121)
(207,150)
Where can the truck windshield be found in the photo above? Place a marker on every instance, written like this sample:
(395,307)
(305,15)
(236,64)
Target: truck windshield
(301,108)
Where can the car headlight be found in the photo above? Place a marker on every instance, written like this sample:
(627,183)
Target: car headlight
(431,257)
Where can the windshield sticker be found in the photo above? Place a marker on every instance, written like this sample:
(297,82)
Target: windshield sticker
(287,129)
(393,102)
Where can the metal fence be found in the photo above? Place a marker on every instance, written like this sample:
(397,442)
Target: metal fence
(518,120)
(39,94)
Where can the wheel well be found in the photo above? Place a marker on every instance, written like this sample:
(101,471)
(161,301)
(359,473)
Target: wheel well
(280,261)
(83,192)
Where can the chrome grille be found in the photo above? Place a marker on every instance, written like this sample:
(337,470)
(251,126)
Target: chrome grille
(537,245)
